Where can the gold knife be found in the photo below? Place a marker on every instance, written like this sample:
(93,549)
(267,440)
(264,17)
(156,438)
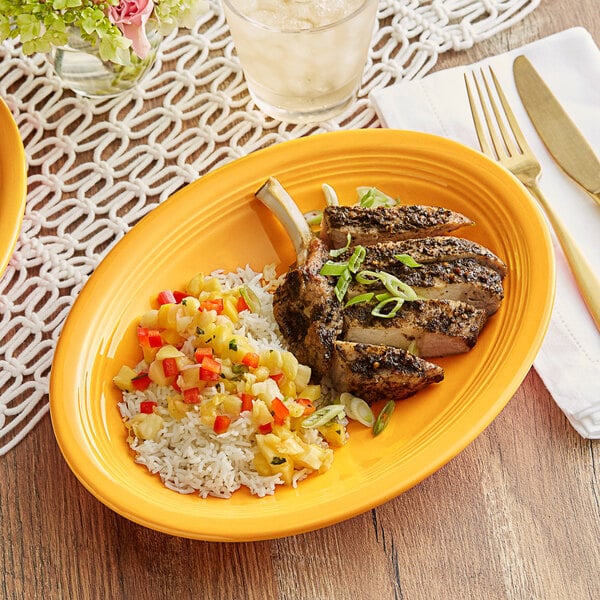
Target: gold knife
(561,136)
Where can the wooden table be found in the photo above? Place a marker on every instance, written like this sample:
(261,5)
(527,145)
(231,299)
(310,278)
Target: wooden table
(515,515)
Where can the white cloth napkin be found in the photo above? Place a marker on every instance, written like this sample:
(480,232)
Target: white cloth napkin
(569,62)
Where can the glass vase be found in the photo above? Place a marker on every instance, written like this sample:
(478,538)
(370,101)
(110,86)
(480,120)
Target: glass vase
(80,67)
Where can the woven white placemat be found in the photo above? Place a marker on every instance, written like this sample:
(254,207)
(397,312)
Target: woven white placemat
(98,166)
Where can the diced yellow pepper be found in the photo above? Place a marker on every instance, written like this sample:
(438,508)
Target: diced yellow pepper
(146,426)
(177,407)
(334,433)
(230,307)
(167,316)
(168,351)
(311,392)
(302,377)
(149,319)
(261,464)
(311,458)
(261,415)
(283,466)
(232,404)
(289,365)
(123,378)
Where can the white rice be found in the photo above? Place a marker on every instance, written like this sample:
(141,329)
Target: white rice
(188,456)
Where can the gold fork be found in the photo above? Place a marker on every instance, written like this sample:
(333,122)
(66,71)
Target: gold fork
(520,160)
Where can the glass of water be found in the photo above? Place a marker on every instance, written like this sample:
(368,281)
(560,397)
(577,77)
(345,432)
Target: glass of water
(303,60)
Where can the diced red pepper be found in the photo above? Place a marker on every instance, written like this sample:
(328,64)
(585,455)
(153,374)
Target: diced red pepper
(241,304)
(166,297)
(308,405)
(215,304)
(266,428)
(170,368)
(277,377)
(147,406)
(179,296)
(210,369)
(280,411)
(200,353)
(247,400)
(191,395)
(149,337)
(250,359)
(221,424)
(176,386)
(141,382)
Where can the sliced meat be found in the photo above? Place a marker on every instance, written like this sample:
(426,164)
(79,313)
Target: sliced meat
(308,313)
(431,249)
(386,223)
(463,279)
(431,328)
(374,372)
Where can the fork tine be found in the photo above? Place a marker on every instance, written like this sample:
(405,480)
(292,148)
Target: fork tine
(514,125)
(479,128)
(506,136)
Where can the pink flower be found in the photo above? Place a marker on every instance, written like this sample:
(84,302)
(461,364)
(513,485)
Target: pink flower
(131,16)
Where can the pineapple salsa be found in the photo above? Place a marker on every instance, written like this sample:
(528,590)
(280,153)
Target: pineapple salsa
(216,402)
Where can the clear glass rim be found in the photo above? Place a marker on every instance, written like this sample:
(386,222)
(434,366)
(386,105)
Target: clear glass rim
(310,31)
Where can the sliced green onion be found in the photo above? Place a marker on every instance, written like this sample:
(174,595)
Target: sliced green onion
(384,417)
(250,298)
(343,282)
(356,260)
(323,416)
(367,277)
(330,195)
(360,299)
(357,409)
(334,269)
(391,283)
(371,197)
(408,260)
(314,217)
(339,251)
(398,288)
(378,310)
(383,296)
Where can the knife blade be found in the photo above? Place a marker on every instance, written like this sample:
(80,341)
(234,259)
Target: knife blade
(564,140)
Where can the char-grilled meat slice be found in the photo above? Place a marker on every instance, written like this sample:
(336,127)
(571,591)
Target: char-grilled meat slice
(374,372)
(431,249)
(463,279)
(308,313)
(386,223)
(436,327)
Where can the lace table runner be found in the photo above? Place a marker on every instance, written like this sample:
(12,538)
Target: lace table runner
(96,167)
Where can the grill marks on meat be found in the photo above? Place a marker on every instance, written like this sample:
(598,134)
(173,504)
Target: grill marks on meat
(308,313)
(386,223)
(375,372)
(437,327)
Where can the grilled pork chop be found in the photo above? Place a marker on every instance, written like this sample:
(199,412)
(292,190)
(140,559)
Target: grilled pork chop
(374,372)
(313,321)
(308,313)
(386,223)
(430,249)
(435,327)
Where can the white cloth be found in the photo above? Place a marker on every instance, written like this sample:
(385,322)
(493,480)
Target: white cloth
(569,62)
